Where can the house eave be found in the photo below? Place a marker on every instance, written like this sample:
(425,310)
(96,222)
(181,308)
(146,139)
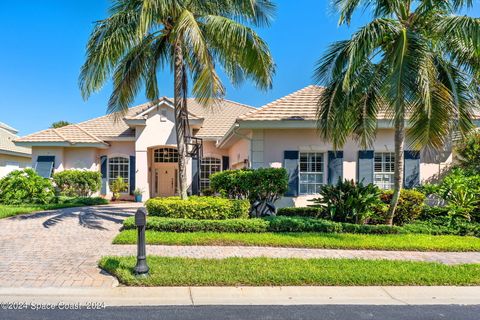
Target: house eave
(61,144)
(16,154)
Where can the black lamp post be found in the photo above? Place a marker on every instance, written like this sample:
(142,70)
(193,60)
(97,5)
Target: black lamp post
(141,269)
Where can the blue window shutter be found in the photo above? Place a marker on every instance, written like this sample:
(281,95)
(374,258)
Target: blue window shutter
(365,166)
(195,177)
(335,166)
(133,171)
(103,171)
(225,163)
(291,165)
(44,166)
(411,169)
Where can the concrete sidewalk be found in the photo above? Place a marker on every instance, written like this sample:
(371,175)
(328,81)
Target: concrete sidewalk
(161,296)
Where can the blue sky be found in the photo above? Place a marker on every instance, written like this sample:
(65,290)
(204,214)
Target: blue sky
(43,48)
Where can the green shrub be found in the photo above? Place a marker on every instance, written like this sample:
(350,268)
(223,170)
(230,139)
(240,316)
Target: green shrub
(443,226)
(192,225)
(260,186)
(460,190)
(468,152)
(26,187)
(79,183)
(409,208)
(314,212)
(213,208)
(302,224)
(348,201)
(85,201)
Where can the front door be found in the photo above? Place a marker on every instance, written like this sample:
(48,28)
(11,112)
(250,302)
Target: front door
(166,180)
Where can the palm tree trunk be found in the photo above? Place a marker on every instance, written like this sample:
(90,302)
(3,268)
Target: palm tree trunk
(398,170)
(179,120)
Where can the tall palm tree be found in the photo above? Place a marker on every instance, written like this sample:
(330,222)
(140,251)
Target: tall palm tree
(188,37)
(417,62)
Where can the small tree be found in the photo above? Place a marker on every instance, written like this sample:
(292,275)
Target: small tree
(59,124)
(118,185)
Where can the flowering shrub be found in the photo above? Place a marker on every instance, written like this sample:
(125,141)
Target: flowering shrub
(26,186)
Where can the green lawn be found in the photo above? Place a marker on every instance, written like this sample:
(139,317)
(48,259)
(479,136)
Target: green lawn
(11,210)
(416,242)
(289,272)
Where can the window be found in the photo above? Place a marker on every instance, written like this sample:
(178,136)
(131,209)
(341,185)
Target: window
(44,166)
(119,167)
(384,167)
(165,155)
(311,172)
(208,166)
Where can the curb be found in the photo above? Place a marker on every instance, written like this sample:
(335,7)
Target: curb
(195,296)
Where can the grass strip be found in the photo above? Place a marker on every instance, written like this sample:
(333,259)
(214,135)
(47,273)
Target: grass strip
(405,242)
(167,271)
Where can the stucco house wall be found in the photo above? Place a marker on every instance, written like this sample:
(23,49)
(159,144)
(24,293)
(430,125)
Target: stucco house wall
(58,152)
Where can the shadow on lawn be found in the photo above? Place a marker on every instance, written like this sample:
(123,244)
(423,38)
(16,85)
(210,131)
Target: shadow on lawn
(88,217)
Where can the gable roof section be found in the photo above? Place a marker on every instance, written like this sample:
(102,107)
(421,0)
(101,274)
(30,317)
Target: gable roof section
(299,105)
(217,120)
(7,146)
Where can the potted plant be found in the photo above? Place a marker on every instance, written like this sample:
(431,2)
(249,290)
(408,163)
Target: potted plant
(138,194)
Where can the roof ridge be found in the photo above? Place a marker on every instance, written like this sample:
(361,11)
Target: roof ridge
(58,134)
(89,134)
(240,104)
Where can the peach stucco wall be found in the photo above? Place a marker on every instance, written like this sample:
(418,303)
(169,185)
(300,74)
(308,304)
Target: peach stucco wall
(239,152)
(80,158)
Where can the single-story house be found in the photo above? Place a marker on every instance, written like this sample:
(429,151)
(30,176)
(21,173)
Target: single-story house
(141,148)
(12,157)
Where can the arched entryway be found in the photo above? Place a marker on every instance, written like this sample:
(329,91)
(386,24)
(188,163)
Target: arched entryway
(164,174)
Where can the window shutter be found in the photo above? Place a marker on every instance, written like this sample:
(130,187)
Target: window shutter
(44,166)
(335,166)
(103,171)
(411,169)
(195,177)
(291,165)
(365,166)
(225,163)
(133,171)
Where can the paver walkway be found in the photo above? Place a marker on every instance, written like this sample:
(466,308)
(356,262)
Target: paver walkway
(61,248)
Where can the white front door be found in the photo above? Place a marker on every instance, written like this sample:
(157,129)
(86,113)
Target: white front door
(165,179)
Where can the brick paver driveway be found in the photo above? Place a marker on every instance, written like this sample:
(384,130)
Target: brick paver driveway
(59,248)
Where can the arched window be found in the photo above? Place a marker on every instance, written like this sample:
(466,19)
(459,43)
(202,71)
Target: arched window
(208,166)
(165,155)
(119,167)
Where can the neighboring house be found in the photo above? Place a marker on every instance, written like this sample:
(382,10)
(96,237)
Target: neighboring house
(12,157)
(141,148)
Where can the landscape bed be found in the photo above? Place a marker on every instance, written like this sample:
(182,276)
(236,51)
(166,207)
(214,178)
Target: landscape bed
(405,242)
(166,271)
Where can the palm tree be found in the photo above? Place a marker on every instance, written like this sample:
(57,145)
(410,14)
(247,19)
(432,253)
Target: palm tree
(417,62)
(188,37)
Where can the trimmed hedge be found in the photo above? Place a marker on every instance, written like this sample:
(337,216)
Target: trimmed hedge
(302,224)
(211,208)
(192,225)
(81,183)
(313,212)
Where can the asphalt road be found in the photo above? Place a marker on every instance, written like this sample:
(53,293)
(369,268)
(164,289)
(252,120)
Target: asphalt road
(330,312)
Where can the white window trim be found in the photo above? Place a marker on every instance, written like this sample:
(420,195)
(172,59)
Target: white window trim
(108,171)
(390,173)
(324,173)
(213,156)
